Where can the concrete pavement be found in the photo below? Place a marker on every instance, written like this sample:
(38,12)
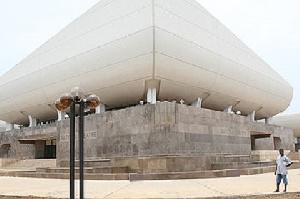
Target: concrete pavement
(195,188)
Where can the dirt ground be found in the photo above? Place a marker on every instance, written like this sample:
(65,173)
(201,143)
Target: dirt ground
(275,196)
(294,195)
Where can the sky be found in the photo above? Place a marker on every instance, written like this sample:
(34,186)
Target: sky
(271,28)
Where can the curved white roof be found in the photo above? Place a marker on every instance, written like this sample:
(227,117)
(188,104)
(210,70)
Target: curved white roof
(116,46)
(291,121)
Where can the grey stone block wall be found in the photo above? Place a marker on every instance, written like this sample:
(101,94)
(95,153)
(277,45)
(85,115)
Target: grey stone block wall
(39,149)
(208,131)
(23,144)
(163,129)
(167,129)
(285,134)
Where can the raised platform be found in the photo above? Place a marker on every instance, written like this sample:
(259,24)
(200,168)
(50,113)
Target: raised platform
(149,176)
(157,168)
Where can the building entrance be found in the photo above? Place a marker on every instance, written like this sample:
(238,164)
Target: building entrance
(255,136)
(50,149)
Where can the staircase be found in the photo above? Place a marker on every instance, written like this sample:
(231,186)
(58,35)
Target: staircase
(31,163)
(240,162)
(98,169)
(294,155)
(222,165)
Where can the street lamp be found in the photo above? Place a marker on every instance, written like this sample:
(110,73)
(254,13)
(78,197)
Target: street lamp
(61,104)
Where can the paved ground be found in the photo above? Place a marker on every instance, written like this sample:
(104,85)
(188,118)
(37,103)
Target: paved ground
(196,188)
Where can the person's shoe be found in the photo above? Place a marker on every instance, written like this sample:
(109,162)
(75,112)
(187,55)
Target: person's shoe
(276,190)
(284,190)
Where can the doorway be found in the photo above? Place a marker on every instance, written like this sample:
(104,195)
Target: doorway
(254,135)
(50,149)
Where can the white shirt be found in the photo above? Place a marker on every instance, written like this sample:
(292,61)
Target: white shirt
(282,161)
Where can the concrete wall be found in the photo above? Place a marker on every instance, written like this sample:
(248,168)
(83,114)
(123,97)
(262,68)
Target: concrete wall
(164,129)
(24,143)
(39,149)
(167,129)
(291,121)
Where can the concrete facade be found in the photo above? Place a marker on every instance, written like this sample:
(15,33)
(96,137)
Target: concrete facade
(290,121)
(26,143)
(164,129)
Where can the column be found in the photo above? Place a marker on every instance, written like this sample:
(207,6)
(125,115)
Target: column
(100,109)
(60,115)
(228,109)
(32,121)
(151,96)
(9,126)
(151,90)
(252,116)
(197,103)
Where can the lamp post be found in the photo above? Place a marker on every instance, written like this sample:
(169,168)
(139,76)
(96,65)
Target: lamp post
(71,100)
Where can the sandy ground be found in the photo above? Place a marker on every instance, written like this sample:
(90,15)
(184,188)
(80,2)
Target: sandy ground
(292,195)
(260,186)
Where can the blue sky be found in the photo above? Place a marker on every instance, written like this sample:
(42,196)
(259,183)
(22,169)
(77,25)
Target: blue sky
(271,28)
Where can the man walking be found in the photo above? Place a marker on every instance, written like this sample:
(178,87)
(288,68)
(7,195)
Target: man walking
(282,162)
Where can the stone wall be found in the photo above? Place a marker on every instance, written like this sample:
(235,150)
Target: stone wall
(39,149)
(163,129)
(167,129)
(285,136)
(24,143)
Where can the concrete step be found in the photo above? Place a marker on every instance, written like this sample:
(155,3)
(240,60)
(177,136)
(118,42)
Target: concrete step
(95,163)
(131,176)
(295,155)
(152,176)
(237,158)
(240,165)
(97,170)
(62,170)
(32,163)
(88,163)
(266,154)
(269,169)
(124,169)
(87,176)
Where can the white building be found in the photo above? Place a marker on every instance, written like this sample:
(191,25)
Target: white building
(128,50)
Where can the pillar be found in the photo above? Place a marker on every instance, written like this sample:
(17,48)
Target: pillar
(252,116)
(151,96)
(100,109)
(228,109)
(60,115)
(32,121)
(151,90)
(9,126)
(197,103)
